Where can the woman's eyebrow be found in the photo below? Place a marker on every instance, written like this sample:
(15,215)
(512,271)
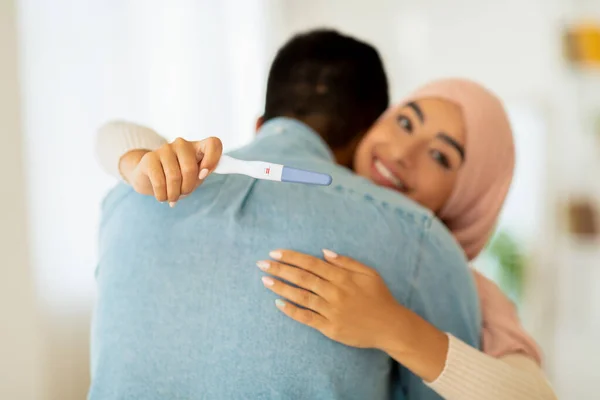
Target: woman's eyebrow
(417,110)
(448,139)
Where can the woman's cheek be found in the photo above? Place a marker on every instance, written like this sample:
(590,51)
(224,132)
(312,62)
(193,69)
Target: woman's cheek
(362,161)
(438,194)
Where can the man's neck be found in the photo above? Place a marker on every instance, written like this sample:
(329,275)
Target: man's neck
(345,155)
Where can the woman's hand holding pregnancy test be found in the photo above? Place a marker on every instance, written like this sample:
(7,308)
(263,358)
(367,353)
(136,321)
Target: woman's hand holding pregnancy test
(177,169)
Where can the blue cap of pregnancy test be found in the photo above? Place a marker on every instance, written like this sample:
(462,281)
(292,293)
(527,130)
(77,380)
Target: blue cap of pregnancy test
(295,175)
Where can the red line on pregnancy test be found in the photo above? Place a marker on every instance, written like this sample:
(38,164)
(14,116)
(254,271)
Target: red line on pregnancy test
(267,171)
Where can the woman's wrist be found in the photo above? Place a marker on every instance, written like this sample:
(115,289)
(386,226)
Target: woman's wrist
(129,161)
(415,343)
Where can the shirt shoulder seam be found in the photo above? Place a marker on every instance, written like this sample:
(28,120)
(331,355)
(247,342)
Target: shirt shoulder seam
(427,220)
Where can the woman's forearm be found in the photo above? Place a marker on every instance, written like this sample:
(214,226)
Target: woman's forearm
(117,138)
(422,348)
(457,371)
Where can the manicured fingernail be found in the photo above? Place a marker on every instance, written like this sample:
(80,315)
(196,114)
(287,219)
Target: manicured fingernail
(267,281)
(264,265)
(275,254)
(280,304)
(172,204)
(329,253)
(203,174)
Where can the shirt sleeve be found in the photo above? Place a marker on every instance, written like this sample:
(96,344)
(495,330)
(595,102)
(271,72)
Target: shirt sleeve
(114,139)
(470,374)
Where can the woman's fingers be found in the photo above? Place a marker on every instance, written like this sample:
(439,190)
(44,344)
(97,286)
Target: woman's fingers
(178,168)
(156,175)
(300,278)
(346,262)
(170,165)
(306,317)
(299,296)
(309,263)
(188,164)
(209,153)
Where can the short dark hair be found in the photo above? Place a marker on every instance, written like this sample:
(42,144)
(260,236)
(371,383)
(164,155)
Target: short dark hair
(332,76)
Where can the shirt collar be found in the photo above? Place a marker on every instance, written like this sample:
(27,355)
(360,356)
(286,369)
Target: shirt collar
(295,136)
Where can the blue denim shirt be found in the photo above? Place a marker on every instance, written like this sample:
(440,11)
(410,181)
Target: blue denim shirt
(182,312)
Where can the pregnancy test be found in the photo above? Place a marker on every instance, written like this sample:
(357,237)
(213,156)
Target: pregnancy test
(270,172)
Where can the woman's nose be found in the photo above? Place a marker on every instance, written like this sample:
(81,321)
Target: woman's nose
(407,152)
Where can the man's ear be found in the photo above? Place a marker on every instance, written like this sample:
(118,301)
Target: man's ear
(259,123)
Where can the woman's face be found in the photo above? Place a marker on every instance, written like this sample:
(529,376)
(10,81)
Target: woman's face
(417,150)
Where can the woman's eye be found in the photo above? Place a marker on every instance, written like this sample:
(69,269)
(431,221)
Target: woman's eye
(405,123)
(440,158)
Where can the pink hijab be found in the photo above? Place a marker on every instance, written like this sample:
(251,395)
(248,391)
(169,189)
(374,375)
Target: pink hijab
(484,179)
(473,208)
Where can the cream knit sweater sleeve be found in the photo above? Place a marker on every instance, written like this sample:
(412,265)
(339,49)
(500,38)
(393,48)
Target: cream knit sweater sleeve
(116,138)
(469,374)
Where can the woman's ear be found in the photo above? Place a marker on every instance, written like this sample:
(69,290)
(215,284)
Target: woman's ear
(259,123)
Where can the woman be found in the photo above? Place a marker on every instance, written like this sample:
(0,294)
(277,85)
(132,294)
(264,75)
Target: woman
(448,147)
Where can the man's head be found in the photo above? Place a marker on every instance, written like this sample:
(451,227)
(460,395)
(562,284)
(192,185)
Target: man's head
(334,83)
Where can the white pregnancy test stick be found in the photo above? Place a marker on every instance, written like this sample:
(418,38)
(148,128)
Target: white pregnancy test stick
(270,172)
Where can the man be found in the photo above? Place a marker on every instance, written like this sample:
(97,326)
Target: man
(181,310)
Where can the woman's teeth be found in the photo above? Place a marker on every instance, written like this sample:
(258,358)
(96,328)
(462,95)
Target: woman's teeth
(386,173)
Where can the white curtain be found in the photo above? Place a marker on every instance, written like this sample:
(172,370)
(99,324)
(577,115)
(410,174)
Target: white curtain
(188,68)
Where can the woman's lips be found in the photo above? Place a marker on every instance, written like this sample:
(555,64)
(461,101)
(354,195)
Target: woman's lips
(383,176)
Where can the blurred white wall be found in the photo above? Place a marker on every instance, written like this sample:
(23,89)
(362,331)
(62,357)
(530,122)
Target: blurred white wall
(20,364)
(509,45)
